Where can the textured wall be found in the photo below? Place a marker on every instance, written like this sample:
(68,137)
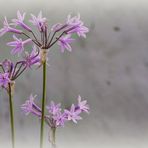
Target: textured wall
(109,68)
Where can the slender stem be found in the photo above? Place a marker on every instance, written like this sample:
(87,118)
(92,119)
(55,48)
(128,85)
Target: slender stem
(48,37)
(34,36)
(35,41)
(11,115)
(56,40)
(52,38)
(15,67)
(19,73)
(43,105)
(16,70)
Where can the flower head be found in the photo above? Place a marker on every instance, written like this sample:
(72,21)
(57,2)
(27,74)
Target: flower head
(38,21)
(30,107)
(73,114)
(20,21)
(18,45)
(56,117)
(7,28)
(4,80)
(64,42)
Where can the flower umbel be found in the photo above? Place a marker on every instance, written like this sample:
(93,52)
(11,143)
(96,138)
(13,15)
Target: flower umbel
(48,36)
(56,117)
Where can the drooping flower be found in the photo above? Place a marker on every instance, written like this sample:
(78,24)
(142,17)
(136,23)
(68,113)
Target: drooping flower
(20,21)
(64,42)
(30,107)
(38,21)
(18,45)
(4,79)
(7,28)
(32,58)
(73,114)
(82,105)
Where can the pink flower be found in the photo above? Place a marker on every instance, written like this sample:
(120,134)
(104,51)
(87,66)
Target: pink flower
(18,45)
(20,21)
(38,21)
(33,58)
(73,114)
(53,108)
(30,107)
(7,28)
(64,43)
(73,21)
(4,80)
(76,26)
(60,119)
(56,27)
(56,117)
(82,105)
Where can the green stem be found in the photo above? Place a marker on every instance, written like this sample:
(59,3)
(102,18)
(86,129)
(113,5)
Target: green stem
(43,105)
(11,115)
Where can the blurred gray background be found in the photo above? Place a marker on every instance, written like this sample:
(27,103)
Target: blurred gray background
(109,68)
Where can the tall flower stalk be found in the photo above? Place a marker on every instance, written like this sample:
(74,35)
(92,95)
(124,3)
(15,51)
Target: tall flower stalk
(60,33)
(9,73)
(43,104)
(10,92)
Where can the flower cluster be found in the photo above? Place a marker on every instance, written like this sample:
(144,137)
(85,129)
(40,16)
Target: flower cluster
(47,36)
(56,117)
(40,41)
(10,71)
